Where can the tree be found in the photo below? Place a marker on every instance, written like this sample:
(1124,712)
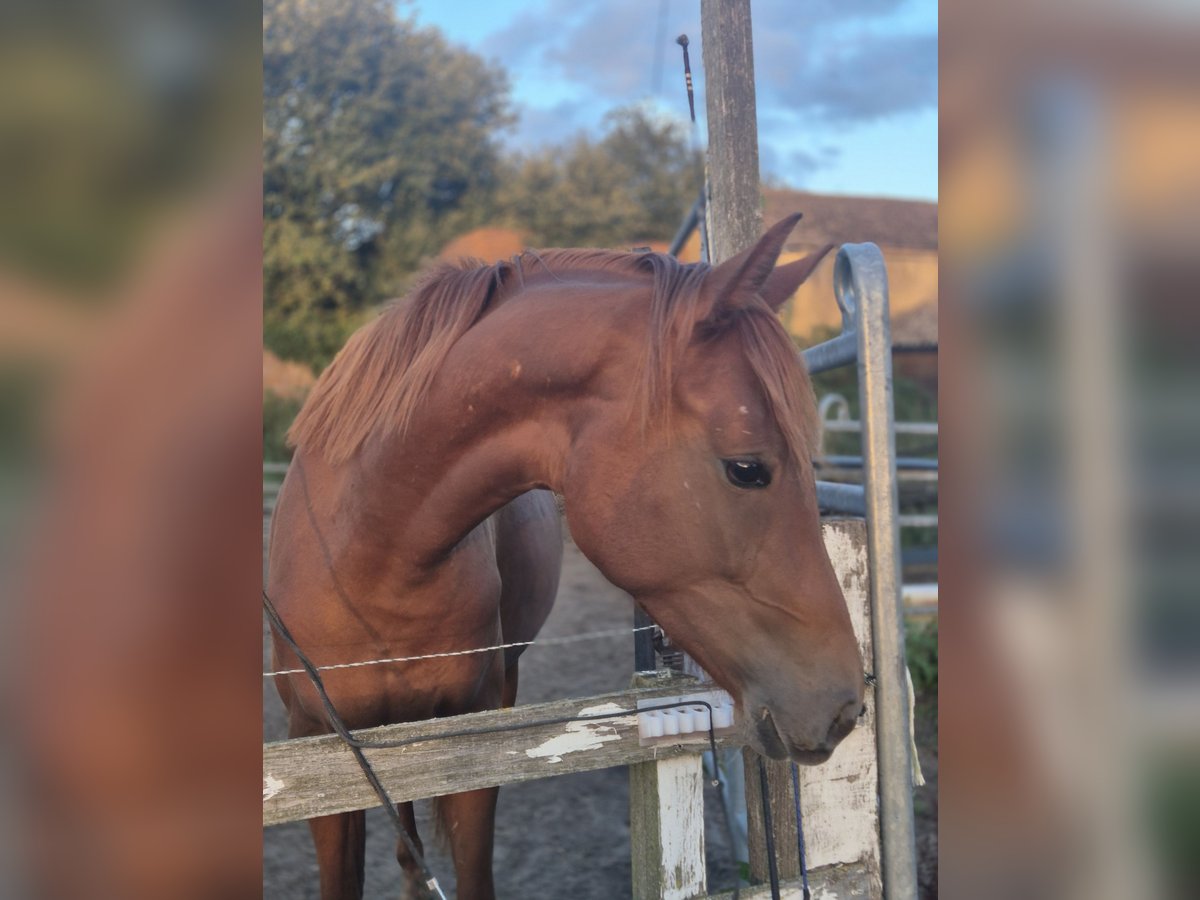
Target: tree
(634,184)
(378,145)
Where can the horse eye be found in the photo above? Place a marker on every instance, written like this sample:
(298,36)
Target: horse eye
(745,473)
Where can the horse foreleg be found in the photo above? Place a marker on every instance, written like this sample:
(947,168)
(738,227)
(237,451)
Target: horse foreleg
(412,874)
(341,851)
(468,821)
(510,686)
(340,840)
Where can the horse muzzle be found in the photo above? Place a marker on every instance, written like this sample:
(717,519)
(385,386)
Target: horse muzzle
(810,740)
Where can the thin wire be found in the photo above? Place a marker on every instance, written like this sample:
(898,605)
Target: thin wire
(544,642)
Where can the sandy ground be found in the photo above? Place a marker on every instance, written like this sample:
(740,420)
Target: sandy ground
(557,837)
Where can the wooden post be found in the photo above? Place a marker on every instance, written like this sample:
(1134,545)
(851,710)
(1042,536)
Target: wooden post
(783,817)
(734,203)
(735,223)
(666,825)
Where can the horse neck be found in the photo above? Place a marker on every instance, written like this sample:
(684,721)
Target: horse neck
(502,414)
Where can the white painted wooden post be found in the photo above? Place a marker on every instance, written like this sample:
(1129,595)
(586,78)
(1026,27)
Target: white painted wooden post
(666,823)
(841,797)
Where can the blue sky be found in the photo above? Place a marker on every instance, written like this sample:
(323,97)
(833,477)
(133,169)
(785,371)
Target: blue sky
(846,89)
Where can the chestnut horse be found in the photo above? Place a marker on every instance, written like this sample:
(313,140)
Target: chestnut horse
(667,406)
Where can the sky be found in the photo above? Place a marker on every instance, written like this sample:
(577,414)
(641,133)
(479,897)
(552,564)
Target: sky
(846,89)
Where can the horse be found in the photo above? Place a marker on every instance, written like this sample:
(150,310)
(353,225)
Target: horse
(667,407)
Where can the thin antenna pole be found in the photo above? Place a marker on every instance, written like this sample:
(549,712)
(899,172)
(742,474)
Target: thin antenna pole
(682,41)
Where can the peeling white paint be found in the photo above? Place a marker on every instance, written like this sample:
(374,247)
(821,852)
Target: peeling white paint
(681,832)
(580,736)
(841,806)
(607,708)
(271,787)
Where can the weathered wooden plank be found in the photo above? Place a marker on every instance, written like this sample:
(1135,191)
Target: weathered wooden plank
(855,881)
(666,825)
(308,777)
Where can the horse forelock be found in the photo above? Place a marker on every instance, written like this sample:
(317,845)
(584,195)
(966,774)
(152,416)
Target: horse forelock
(383,373)
(680,315)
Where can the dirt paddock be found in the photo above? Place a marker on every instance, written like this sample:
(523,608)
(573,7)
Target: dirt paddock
(557,837)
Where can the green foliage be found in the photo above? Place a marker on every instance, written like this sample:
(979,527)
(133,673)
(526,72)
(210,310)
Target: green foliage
(24,387)
(1173,809)
(278,413)
(634,184)
(107,134)
(921,648)
(378,146)
(314,293)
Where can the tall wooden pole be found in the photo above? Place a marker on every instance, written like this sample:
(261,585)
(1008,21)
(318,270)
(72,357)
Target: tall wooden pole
(734,201)
(735,223)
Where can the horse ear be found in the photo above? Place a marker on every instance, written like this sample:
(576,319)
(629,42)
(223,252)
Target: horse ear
(783,281)
(737,281)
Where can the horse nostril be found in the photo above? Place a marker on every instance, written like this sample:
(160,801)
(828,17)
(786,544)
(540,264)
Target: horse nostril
(862,710)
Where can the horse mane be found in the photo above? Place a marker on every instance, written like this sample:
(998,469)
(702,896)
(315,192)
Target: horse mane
(378,380)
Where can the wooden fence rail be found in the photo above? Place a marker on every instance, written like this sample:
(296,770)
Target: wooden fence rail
(317,776)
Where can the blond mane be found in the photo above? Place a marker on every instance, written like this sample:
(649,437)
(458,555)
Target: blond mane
(380,378)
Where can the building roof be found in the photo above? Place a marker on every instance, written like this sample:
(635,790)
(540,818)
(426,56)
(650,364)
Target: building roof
(916,329)
(286,378)
(838,219)
(488,244)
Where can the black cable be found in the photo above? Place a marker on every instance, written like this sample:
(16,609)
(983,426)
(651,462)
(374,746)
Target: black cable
(800,833)
(768,832)
(356,747)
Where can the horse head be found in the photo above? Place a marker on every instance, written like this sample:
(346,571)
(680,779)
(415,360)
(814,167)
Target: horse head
(704,507)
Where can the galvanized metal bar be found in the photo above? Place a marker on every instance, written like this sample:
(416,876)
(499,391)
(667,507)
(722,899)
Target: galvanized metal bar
(911,463)
(837,351)
(927,429)
(690,221)
(860,284)
(853,475)
(834,413)
(833,353)
(841,499)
